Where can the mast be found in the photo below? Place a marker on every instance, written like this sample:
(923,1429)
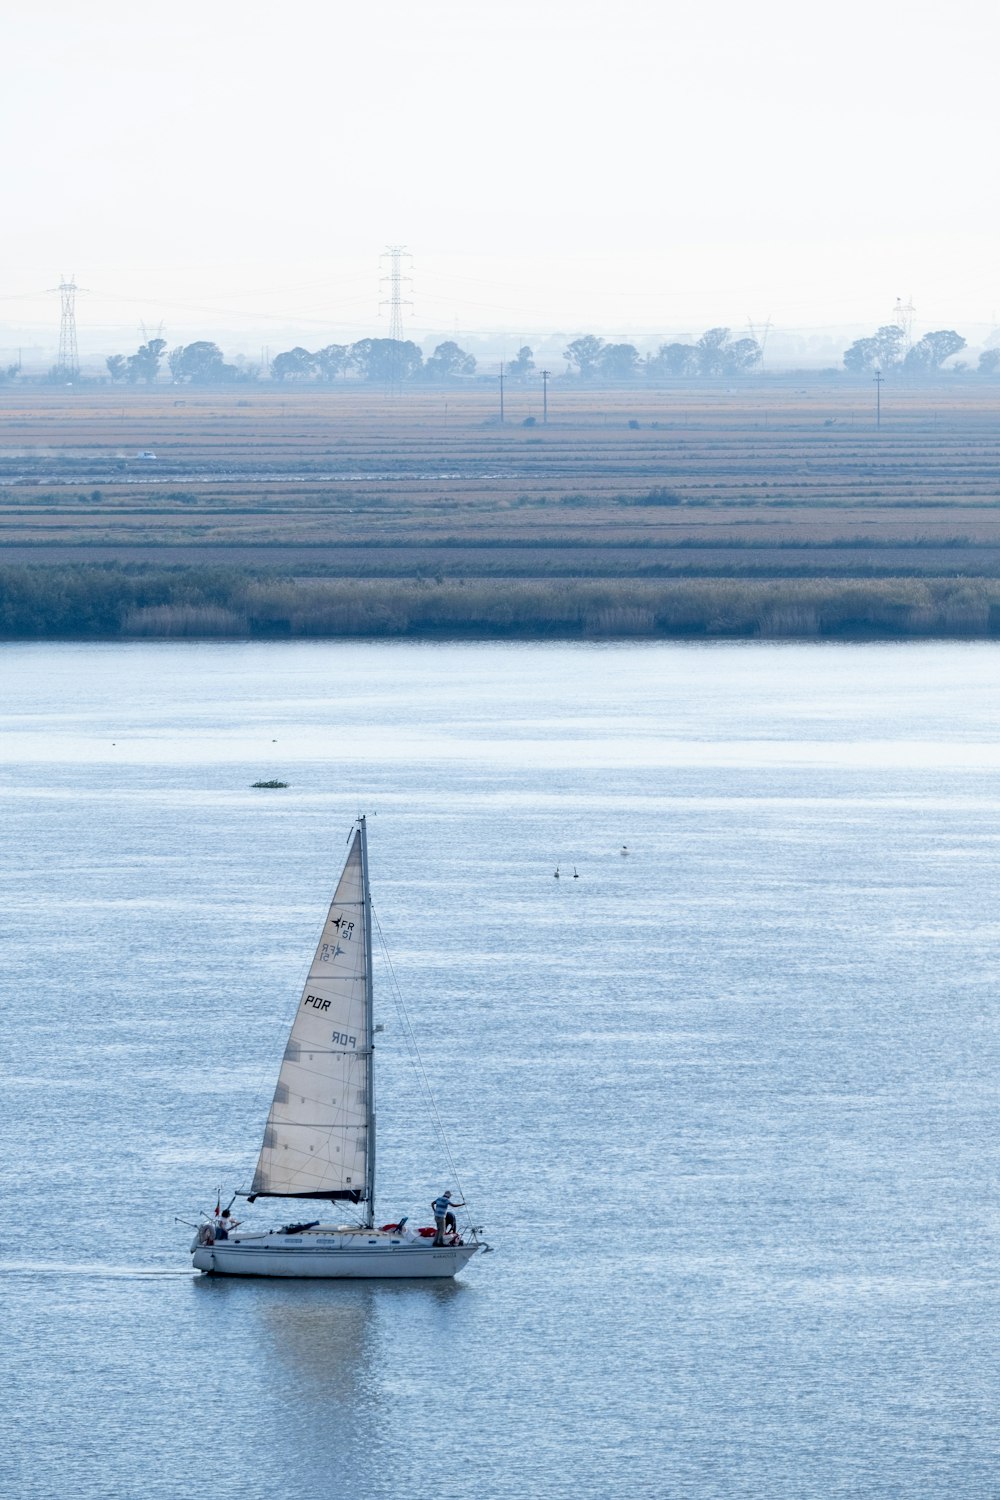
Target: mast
(370,1032)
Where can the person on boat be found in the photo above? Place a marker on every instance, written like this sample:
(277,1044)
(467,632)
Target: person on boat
(441,1208)
(224,1224)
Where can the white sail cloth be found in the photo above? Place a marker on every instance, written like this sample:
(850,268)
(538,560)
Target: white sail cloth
(316,1138)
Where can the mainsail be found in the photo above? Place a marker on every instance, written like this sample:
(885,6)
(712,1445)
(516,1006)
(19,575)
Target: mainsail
(319,1138)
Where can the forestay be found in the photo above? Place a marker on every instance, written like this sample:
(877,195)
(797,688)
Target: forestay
(316,1140)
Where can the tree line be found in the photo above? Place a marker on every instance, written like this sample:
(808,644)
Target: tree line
(200,363)
(203,363)
(886,349)
(383,360)
(716,354)
(589,358)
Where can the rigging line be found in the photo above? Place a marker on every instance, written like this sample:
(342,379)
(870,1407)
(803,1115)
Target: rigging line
(408,1033)
(418,1063)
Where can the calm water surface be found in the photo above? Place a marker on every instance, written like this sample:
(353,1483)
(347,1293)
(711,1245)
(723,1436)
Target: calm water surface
(727,1107)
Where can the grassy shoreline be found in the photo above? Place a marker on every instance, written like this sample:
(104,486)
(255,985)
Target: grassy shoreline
(115,602)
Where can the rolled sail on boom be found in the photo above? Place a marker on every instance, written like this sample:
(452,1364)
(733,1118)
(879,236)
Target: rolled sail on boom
(318,1141)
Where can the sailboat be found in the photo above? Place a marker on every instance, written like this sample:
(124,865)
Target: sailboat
(319,1140)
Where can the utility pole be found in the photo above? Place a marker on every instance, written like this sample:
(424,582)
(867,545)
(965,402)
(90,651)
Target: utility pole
(501,393)
(878,397)
(545,397)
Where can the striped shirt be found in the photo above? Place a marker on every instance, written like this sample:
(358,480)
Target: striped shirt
(441,1206)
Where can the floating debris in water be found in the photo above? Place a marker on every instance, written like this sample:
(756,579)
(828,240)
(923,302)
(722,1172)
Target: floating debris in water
(268,784)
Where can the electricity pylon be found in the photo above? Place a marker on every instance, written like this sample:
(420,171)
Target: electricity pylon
(68,362)
(395,302)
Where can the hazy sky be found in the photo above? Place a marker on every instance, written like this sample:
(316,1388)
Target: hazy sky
(560,164)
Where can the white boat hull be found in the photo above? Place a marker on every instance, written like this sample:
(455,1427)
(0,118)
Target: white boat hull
(331,1255)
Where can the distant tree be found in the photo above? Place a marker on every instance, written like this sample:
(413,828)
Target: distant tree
(200,363)
(117,366)
(521,367)
(386,359)
(331,361)
(618,362)
(8,372)
(742,355)
(293,364)
(861,356)
(880,352)
(989,362)
(144,364)
(930,352)
(672,360)
(584,353)
(710,351)
(891,341)
(449,362)
(718,354)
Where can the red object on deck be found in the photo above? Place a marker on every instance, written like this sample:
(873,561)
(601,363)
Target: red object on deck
(427,1233)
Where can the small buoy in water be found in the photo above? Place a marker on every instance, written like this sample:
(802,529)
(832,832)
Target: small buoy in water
(557,872)
(624,848)
(575,875)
